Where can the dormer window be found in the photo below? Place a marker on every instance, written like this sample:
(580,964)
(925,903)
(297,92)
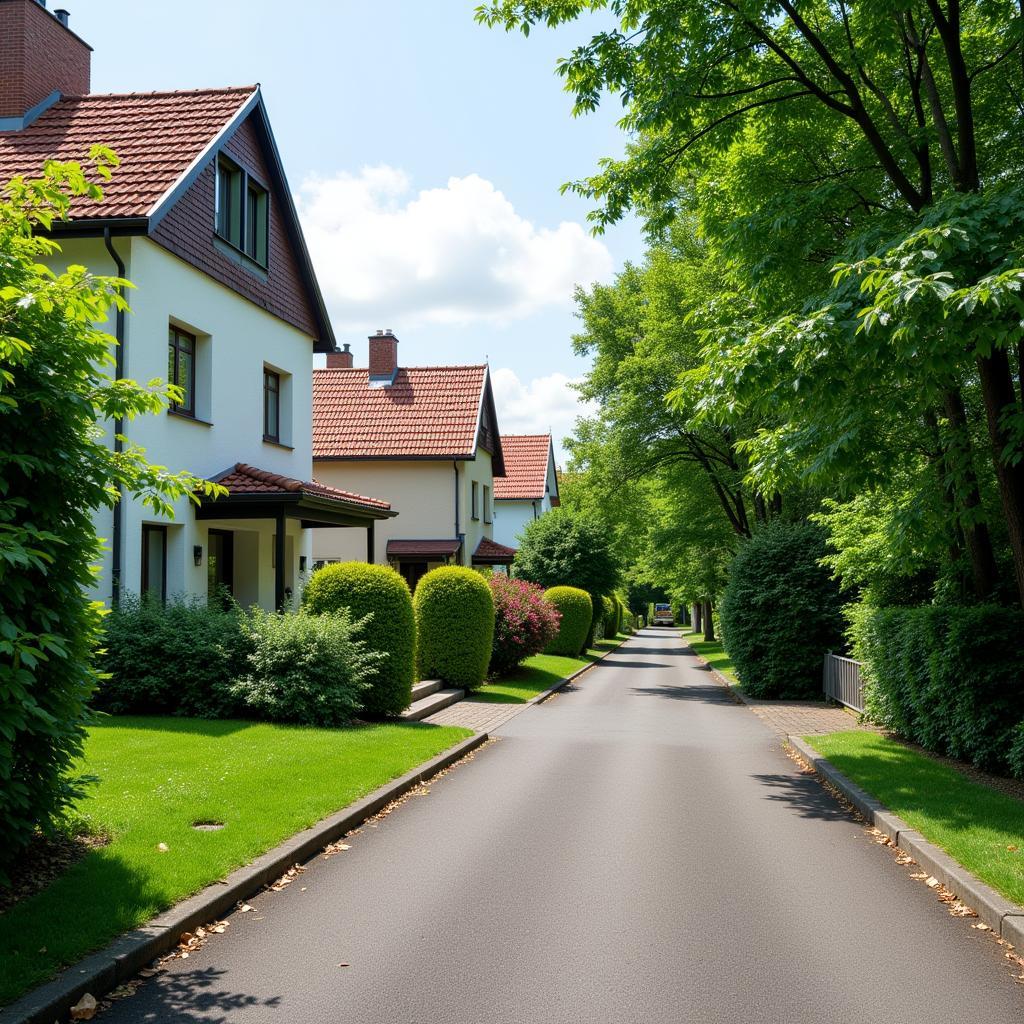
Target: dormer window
(242,210)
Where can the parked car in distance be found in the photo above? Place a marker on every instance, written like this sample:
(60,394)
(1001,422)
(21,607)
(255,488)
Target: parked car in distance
(663,615)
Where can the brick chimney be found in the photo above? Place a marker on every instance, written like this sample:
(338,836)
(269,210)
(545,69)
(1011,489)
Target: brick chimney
(340,358)
(383,358)
(39,55)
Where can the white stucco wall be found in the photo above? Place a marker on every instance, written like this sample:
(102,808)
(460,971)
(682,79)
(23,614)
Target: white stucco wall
(236,339)
(423,493)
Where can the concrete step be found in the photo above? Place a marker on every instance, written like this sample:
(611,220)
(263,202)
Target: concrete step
(425,689)
(426,706)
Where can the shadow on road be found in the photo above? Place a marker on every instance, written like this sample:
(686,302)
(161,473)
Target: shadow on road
(804,796)
(707,694)
(641,664)
(188,999)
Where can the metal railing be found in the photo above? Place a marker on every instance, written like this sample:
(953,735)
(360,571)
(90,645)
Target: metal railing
(842,682)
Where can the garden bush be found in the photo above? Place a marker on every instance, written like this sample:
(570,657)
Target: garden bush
(524,623)
(949,678)
(610,622)
(173,659)
(576,610)
(455,626)
(781,611)
(304,668)
(379,591)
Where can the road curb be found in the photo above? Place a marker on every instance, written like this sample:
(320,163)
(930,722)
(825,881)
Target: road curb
(129,953)
(1006,919)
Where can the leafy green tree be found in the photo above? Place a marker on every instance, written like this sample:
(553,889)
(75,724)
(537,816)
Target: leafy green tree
(56,469)
(562,548)
(923,103)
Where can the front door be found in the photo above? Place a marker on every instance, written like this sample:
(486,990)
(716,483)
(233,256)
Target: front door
(220,566)
(412,571)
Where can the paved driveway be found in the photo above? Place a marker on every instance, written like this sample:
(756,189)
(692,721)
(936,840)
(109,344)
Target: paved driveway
(637,849)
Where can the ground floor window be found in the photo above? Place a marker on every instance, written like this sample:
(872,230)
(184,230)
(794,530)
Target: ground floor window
(154,562)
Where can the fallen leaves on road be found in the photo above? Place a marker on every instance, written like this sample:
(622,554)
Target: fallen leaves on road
(287,878)
(85,1008)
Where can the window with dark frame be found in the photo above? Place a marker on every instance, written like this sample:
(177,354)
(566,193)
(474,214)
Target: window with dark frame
(271,406)
(476,500)
(181,369)
(487,504)
(153,583)
(242,215)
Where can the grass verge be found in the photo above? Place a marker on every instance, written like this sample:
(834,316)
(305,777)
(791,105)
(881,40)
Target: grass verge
(538,674)
(978,827)
(157,776)
(713,653)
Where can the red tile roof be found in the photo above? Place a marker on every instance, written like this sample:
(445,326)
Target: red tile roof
(157,135)
(526,467)
(423,548)
(428,412)
(490,552)
(244,479)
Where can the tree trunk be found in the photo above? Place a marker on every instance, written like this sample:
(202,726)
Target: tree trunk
(709,622)
(967,496)
(999,394)
(696,617)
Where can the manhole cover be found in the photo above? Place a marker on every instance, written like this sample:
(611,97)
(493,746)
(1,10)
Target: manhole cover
(208,826)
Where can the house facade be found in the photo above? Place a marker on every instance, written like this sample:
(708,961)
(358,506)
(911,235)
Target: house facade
(424,438)
(225,304)
(529,487)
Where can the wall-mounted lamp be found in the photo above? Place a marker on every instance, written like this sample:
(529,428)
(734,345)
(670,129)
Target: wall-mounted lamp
(197,554)
(302,563)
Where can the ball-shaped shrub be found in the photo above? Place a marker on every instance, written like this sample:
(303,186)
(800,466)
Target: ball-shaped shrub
(524,623)
(781,611)
(576,609)
(379,591)
(455,626)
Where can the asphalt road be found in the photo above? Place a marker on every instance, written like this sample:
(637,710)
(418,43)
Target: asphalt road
(637,849)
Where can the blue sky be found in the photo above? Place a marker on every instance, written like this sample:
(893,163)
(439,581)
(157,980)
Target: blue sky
(426,154)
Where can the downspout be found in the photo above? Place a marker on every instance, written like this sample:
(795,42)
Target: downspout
(458,524)
(116,539)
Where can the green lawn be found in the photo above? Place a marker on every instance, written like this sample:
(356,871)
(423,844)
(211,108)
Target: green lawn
(538,674)
(159,775)
(978,827)
(713,653)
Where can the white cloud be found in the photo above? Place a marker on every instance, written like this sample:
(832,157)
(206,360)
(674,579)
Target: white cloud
(542,404)
(454,255)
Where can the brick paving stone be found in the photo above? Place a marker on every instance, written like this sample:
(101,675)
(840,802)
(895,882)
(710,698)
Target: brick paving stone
(477,715)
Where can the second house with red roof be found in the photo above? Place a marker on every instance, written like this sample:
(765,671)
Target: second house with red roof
(425,438)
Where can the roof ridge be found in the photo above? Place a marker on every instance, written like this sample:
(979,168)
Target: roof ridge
(211,90)
(366,369)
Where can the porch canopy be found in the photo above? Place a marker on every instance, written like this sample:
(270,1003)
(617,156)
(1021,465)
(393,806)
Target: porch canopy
(490,552)
(258,494)
(428,550)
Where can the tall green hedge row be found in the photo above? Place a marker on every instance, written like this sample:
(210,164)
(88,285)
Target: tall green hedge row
(576,609)
(781,611)
(380,591)
(949,678)
(455,626)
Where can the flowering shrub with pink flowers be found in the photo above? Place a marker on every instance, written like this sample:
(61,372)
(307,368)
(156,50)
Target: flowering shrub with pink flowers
(524,623)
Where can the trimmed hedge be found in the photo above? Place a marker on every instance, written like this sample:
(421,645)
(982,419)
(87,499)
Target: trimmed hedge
(379,591)
(455,626)
(524,623)
(305,668)
(173,659)
(610,608)
(948,678)
(576,610)
(781,611)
